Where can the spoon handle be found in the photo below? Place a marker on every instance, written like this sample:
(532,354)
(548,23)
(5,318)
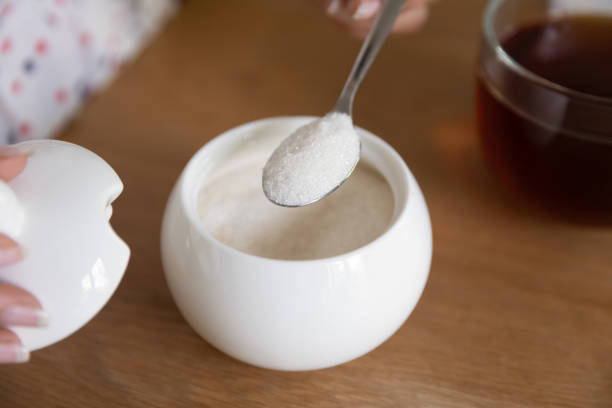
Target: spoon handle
(375,39)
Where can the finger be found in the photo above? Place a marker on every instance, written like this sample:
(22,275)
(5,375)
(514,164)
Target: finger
(357,16)
(348,11)
(369,9)
(11,164)
(363,9)
(411,20)
(10,251)
(20,308)
(11,349)
(333,7)
(341,12)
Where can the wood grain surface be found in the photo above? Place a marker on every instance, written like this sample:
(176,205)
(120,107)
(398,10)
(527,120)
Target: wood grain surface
(518,308)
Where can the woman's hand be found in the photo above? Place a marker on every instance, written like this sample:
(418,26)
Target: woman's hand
(357,16)
(17,307)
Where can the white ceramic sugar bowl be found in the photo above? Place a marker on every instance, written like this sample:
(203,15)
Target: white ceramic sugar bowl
(58,210)
(295,315)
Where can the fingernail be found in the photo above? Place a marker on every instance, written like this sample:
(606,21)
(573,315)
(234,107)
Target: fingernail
(10,251)
(10,151)
(23,316)
(366,10)
(13,353)
(334,7)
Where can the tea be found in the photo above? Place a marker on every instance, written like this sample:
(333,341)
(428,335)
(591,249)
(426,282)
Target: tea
(566,171)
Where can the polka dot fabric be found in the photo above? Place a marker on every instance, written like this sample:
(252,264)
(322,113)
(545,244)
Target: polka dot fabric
(55,53)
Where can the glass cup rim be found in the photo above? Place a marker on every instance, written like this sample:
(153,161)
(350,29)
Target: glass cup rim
(492,39)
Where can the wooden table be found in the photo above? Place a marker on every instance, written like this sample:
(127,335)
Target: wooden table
(518,308)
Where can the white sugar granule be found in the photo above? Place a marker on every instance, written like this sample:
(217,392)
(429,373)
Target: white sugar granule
(235,211)
(312,161)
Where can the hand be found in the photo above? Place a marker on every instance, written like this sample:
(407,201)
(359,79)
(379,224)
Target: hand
(357,16)
(17,307)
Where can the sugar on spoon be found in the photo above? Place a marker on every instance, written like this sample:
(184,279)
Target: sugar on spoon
(318,157)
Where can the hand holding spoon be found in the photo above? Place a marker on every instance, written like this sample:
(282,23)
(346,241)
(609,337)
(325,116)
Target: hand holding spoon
(318,157)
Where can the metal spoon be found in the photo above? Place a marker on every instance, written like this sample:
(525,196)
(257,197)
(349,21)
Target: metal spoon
(375,39)
(372,44)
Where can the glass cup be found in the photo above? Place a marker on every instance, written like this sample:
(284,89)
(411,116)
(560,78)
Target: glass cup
(542,137)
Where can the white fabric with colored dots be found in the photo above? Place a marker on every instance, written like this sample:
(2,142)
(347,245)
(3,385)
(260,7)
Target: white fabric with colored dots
(54,53)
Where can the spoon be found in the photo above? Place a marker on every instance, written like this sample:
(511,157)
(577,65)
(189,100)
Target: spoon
(317,158)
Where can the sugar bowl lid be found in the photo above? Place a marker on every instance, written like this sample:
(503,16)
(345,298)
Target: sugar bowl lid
(58,209)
